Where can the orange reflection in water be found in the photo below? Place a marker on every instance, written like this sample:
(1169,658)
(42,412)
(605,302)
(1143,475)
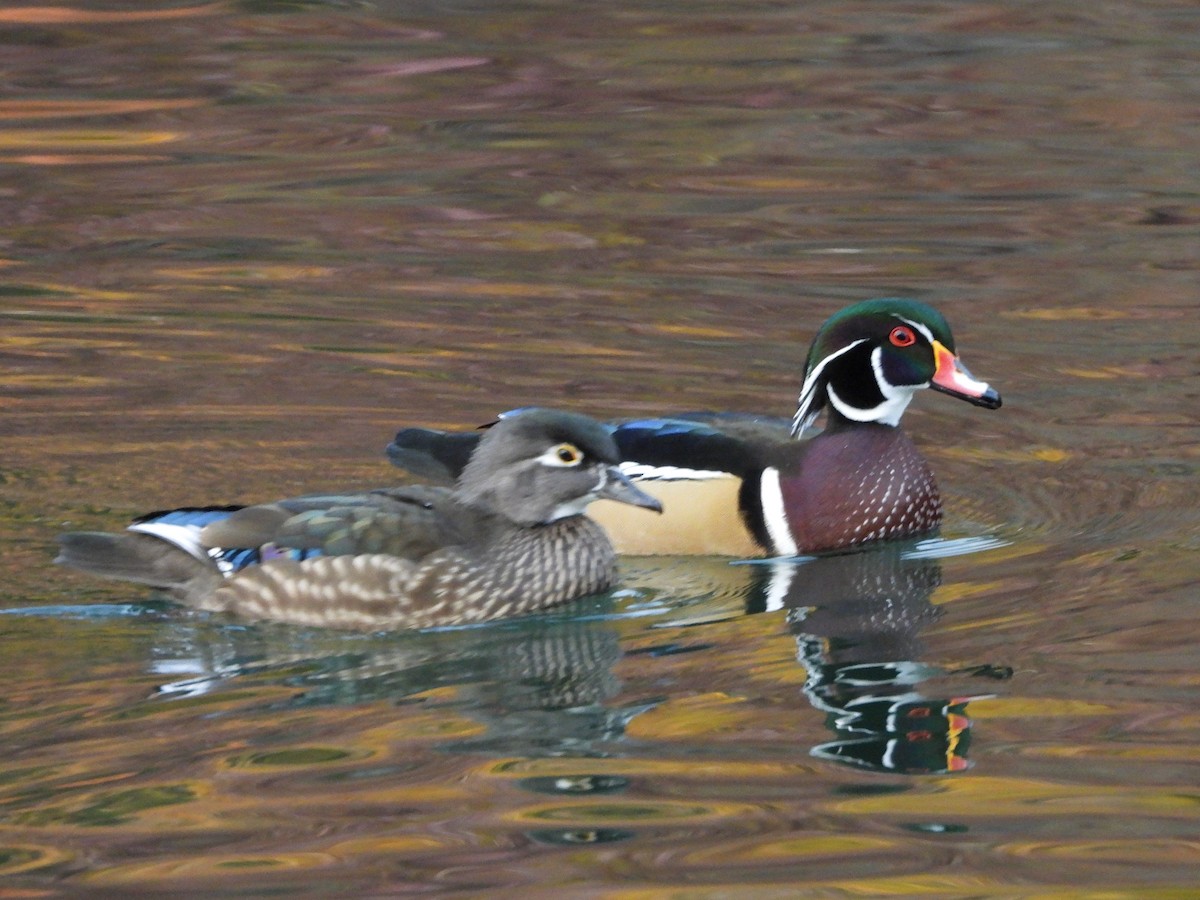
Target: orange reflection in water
(65,15)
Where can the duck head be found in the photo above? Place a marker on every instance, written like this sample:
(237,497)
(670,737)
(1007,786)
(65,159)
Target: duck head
(536,466)
(868,360)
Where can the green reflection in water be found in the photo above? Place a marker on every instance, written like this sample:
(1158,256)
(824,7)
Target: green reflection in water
(14,859)
(28,290)
(158,708)
(871,790)
(16,856)
(29,773)
(630,811)
(112,809)
(576,837)
(295,756)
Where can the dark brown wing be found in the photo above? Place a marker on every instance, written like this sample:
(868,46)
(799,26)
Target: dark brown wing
(407,522)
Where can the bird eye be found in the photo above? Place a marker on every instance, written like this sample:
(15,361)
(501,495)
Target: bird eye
(902,336)
(567,454)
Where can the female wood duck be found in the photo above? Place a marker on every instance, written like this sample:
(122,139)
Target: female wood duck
(509,538)
(742,485)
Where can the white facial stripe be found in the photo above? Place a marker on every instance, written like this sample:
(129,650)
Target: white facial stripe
(774,515)
(808,392)
(800,425)
(890,391)
(921,328)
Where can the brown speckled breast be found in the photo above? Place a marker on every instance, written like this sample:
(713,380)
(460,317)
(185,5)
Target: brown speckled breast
(855,485)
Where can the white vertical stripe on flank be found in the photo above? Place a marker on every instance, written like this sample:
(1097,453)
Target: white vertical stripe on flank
(774,515)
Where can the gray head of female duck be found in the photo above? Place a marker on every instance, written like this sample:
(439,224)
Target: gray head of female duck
(544,465)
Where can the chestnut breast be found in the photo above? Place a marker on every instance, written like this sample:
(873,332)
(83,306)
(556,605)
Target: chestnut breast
(849,486)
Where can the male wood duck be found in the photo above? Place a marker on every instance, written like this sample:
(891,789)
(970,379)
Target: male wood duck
(509,538)
(743,485)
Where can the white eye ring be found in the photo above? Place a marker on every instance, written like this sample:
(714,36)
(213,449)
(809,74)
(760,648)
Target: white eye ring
(562,456)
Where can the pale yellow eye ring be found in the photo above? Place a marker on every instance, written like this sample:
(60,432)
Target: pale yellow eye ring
(564,455)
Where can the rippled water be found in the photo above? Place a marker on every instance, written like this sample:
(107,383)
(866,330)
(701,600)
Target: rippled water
(240,243)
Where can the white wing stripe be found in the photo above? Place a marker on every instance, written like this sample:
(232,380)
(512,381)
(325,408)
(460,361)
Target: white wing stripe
(643,472)
(185,537)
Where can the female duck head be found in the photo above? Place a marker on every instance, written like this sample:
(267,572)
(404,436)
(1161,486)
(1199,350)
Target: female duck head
(541,465)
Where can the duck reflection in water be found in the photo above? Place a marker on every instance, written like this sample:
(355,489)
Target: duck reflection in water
(545,685)
(539,684)
(858,619)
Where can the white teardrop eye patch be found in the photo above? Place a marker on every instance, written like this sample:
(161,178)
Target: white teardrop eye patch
(564,455)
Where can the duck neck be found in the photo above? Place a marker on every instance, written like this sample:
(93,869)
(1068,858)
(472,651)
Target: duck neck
(877,402)
(837,421)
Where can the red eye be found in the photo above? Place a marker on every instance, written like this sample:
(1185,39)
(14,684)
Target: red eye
(902,336)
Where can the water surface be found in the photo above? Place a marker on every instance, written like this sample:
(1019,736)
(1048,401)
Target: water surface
(240,243)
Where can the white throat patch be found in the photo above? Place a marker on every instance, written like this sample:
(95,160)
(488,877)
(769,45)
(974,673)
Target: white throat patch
(896,399)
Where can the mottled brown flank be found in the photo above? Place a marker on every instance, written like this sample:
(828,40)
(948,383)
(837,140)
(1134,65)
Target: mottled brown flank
(523,571)
(861,484)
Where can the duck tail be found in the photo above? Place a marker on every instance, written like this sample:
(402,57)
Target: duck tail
(140,558)
(437,456)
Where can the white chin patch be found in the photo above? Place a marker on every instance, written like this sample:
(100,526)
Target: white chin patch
(579,505)
(573,508)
